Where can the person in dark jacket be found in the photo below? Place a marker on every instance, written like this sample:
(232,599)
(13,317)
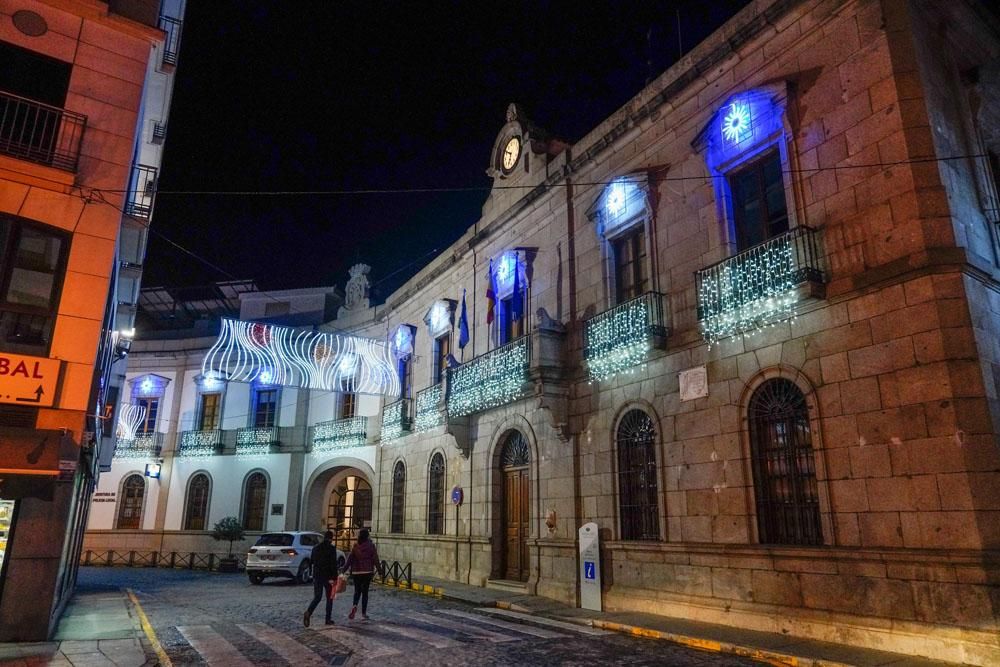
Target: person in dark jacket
(362,563)
(324,564)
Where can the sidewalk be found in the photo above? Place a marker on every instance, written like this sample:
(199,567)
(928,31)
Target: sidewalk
(98,629)
(772,648)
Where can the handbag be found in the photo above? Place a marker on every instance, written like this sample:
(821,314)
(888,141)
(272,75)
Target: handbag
(341,585)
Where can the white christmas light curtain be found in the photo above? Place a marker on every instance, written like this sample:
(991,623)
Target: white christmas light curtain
(276,355)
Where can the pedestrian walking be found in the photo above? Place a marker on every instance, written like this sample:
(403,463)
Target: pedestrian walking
(324,564)
(362,563)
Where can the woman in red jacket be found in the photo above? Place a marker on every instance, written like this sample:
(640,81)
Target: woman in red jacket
(362,563)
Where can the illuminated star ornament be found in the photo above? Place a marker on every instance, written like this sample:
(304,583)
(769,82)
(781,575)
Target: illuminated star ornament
(736,124)
(270,354)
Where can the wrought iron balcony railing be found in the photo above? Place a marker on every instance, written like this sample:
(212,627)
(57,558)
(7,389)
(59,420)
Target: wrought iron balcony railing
(141,192)
(339,433)
(159,133)
(40,133)
(172,45)
(256,440)
(759,286)
(490,380)
(199,443)
(397,419)
(620,338)
(430,410)
(142,446)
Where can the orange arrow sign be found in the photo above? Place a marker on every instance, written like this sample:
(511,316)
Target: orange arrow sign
(28,380)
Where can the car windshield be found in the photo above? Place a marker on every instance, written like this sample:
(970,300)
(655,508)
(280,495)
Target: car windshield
(275,540)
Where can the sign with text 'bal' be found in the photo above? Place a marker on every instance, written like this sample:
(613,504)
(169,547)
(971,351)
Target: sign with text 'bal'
(28,381)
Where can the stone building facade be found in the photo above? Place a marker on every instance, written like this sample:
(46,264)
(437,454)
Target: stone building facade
(747,326)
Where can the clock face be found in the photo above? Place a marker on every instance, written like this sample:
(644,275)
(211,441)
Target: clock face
(510,153)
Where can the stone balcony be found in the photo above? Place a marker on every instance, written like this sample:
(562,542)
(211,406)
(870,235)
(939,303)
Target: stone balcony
(339,434)
(142,446)
(621,338)
(397,419)
(761,285)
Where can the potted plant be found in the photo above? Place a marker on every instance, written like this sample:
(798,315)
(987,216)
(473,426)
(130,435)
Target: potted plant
(229,530)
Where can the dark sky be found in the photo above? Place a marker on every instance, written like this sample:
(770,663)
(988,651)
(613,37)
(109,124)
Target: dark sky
(331,95)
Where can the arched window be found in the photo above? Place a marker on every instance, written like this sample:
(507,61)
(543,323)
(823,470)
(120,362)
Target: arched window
(637,488)
(130,504)
(435,496)
(255,501)
(784,469)
(398,497)
(196,506)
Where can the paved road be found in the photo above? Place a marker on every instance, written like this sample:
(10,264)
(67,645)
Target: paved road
(207,618)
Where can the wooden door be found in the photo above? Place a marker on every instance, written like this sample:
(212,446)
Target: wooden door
(516,524)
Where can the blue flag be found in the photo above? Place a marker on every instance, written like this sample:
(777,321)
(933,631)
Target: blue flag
(517,297)
(463,326)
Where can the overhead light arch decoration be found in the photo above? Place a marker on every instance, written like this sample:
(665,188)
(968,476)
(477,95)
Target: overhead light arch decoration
(276,355)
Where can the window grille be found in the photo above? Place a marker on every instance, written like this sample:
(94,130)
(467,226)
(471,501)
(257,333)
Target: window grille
(784,467)
(130,507)
(516,451)
(435,496)
(637,487)
(398,497)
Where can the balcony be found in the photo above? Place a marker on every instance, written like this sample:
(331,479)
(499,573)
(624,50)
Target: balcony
(397,419)
(619,339)
(159,133)
(339,434)
(760,286)
(40,133)
(490,380)
(255,440)
(172,45)
(196,444)
(431,411)
(141,192)
(143,446)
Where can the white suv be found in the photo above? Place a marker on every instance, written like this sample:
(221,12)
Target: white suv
(285,554)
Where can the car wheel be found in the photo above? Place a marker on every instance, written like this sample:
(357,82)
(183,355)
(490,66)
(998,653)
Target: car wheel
(305,573)
(256,579)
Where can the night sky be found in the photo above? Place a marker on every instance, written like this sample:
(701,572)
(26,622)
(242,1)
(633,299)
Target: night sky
(279,96)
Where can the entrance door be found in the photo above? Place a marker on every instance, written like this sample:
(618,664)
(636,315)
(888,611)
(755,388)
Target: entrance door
(516,505)
(516,524)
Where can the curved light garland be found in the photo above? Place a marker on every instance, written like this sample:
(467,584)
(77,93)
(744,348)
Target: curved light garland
(249,351)
(130,418)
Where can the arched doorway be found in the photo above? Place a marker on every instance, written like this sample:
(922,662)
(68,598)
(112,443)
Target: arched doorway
(515,458)
(349,509)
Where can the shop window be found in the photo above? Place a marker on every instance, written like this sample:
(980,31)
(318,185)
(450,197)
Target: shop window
(32,268)
(442,348)
(398,498)
(758,199)
(210,412)
(435,496)
(638,496)
(265,408)
(255,501)
(196,504)
(784,468)
(631,274)
(130,502)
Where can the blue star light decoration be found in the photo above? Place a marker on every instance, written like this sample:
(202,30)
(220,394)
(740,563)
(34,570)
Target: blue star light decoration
(736,123)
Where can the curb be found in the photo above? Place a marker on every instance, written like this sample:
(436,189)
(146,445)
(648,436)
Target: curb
(147,628)
(417,587)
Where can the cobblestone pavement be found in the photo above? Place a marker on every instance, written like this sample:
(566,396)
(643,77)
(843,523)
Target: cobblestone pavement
(207,618)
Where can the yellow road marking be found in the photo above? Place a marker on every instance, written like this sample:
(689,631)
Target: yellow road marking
(161,655)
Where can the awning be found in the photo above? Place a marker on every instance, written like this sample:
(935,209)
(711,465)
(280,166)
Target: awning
(31,461)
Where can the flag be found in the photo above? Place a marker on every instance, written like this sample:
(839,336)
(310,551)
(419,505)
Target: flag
(491,295)
(463,326)
(516,297)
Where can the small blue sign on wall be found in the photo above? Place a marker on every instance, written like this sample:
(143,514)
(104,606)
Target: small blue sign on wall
(589,570)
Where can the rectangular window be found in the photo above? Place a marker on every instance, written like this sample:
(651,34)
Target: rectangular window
(210,404)
(442,348)
(759,209)
(152,406)
(32,267)
(631,278)
(265,408)
(348,405)
(510,329)
(405,376)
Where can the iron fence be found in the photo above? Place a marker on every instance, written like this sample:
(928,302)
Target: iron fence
(186,560)
(40,133)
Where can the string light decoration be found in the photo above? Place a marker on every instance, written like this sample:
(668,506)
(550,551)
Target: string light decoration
(130,418)
(140,447)
(429,413)
(737,122)
(199,444)
(339,433)
(751,291)
(491,380)
(396,419)
(618,340)
(270,354)
(255,442)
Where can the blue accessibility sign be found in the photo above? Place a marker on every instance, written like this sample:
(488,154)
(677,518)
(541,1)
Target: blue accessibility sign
(589,571)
